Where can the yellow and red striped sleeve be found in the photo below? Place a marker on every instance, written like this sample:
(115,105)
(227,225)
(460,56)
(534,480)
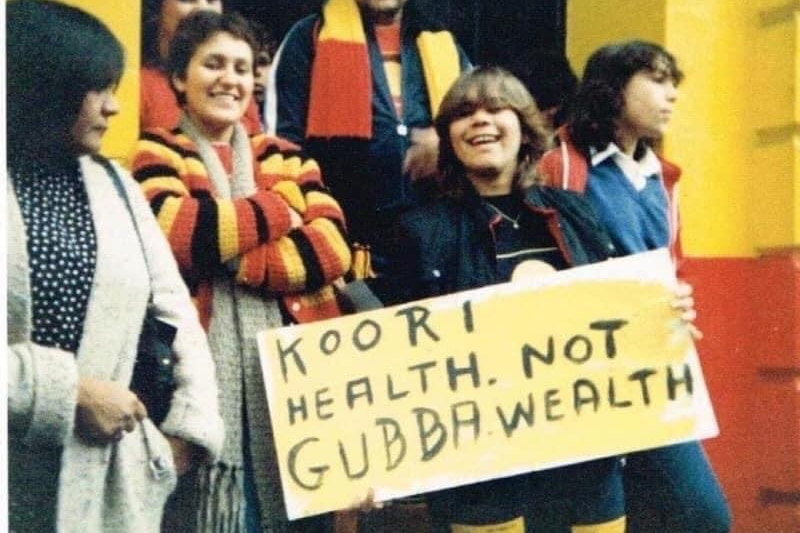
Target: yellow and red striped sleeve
(203,230)
(312,255)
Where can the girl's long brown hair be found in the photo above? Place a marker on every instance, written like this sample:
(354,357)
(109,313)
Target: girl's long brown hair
(490,87)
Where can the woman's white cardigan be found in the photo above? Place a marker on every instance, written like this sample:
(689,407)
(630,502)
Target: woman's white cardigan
(105,487)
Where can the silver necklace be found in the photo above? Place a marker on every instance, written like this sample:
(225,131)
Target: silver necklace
(514,221)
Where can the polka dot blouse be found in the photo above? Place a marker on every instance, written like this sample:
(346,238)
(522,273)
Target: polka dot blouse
(62,250)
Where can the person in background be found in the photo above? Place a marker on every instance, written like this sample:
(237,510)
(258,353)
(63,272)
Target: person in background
(549,78)
(267,46)
(157,105)
(490,220)
(259,241)
(621,109)
(82,454)
(357,86)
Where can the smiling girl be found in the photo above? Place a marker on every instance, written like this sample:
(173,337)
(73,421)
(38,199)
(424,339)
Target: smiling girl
(157,104)
(491,221)
(258,240)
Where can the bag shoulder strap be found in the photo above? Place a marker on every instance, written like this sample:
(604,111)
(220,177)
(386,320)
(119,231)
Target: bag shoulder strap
(117,181)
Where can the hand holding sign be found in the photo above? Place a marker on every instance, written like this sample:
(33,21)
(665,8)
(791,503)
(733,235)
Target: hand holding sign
(487,383)
(684,302)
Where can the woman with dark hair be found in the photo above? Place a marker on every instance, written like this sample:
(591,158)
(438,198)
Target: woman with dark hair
(259,241)
(622,107)
(491,220)
(48,90)
(157,105)
(86,260)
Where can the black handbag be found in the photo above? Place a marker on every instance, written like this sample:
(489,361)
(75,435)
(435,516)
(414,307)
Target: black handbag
(153,378)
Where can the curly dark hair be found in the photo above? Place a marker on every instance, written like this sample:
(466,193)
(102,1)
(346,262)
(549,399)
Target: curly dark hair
(600,96)
(491,87)
(195,30)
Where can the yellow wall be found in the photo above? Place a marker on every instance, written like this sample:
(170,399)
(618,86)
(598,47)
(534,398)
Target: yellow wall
(775,45)
(709,136)
(591,23)
(122,16)
(735,130)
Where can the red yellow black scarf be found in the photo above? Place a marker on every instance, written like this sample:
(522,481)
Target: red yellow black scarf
(340,103)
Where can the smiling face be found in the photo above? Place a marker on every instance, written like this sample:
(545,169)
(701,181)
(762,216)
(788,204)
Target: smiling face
(218,85)
(649,97)
(86,135)
(487,143)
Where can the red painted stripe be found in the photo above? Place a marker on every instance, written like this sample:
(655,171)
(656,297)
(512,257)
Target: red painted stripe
(749,312)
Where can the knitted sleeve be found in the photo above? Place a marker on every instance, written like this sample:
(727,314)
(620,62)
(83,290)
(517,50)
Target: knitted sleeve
(307,257)
(203,231)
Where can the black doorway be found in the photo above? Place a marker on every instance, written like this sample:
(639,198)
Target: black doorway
(490,31)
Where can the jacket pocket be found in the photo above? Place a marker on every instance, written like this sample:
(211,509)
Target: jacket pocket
(140,478)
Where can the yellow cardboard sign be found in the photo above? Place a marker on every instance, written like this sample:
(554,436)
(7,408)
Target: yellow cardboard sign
(522,376)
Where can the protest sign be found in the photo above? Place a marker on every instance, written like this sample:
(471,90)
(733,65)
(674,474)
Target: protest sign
(580,364)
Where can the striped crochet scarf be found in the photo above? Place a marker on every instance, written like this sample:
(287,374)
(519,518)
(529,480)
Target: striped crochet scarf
(341,105)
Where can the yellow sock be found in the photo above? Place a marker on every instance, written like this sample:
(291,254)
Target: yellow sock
(614,526)
(516,525)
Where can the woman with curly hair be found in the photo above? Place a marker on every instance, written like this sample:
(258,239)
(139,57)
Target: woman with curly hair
(259,241)
(158,107)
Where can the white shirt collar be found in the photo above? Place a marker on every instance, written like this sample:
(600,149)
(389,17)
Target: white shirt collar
(637,172)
